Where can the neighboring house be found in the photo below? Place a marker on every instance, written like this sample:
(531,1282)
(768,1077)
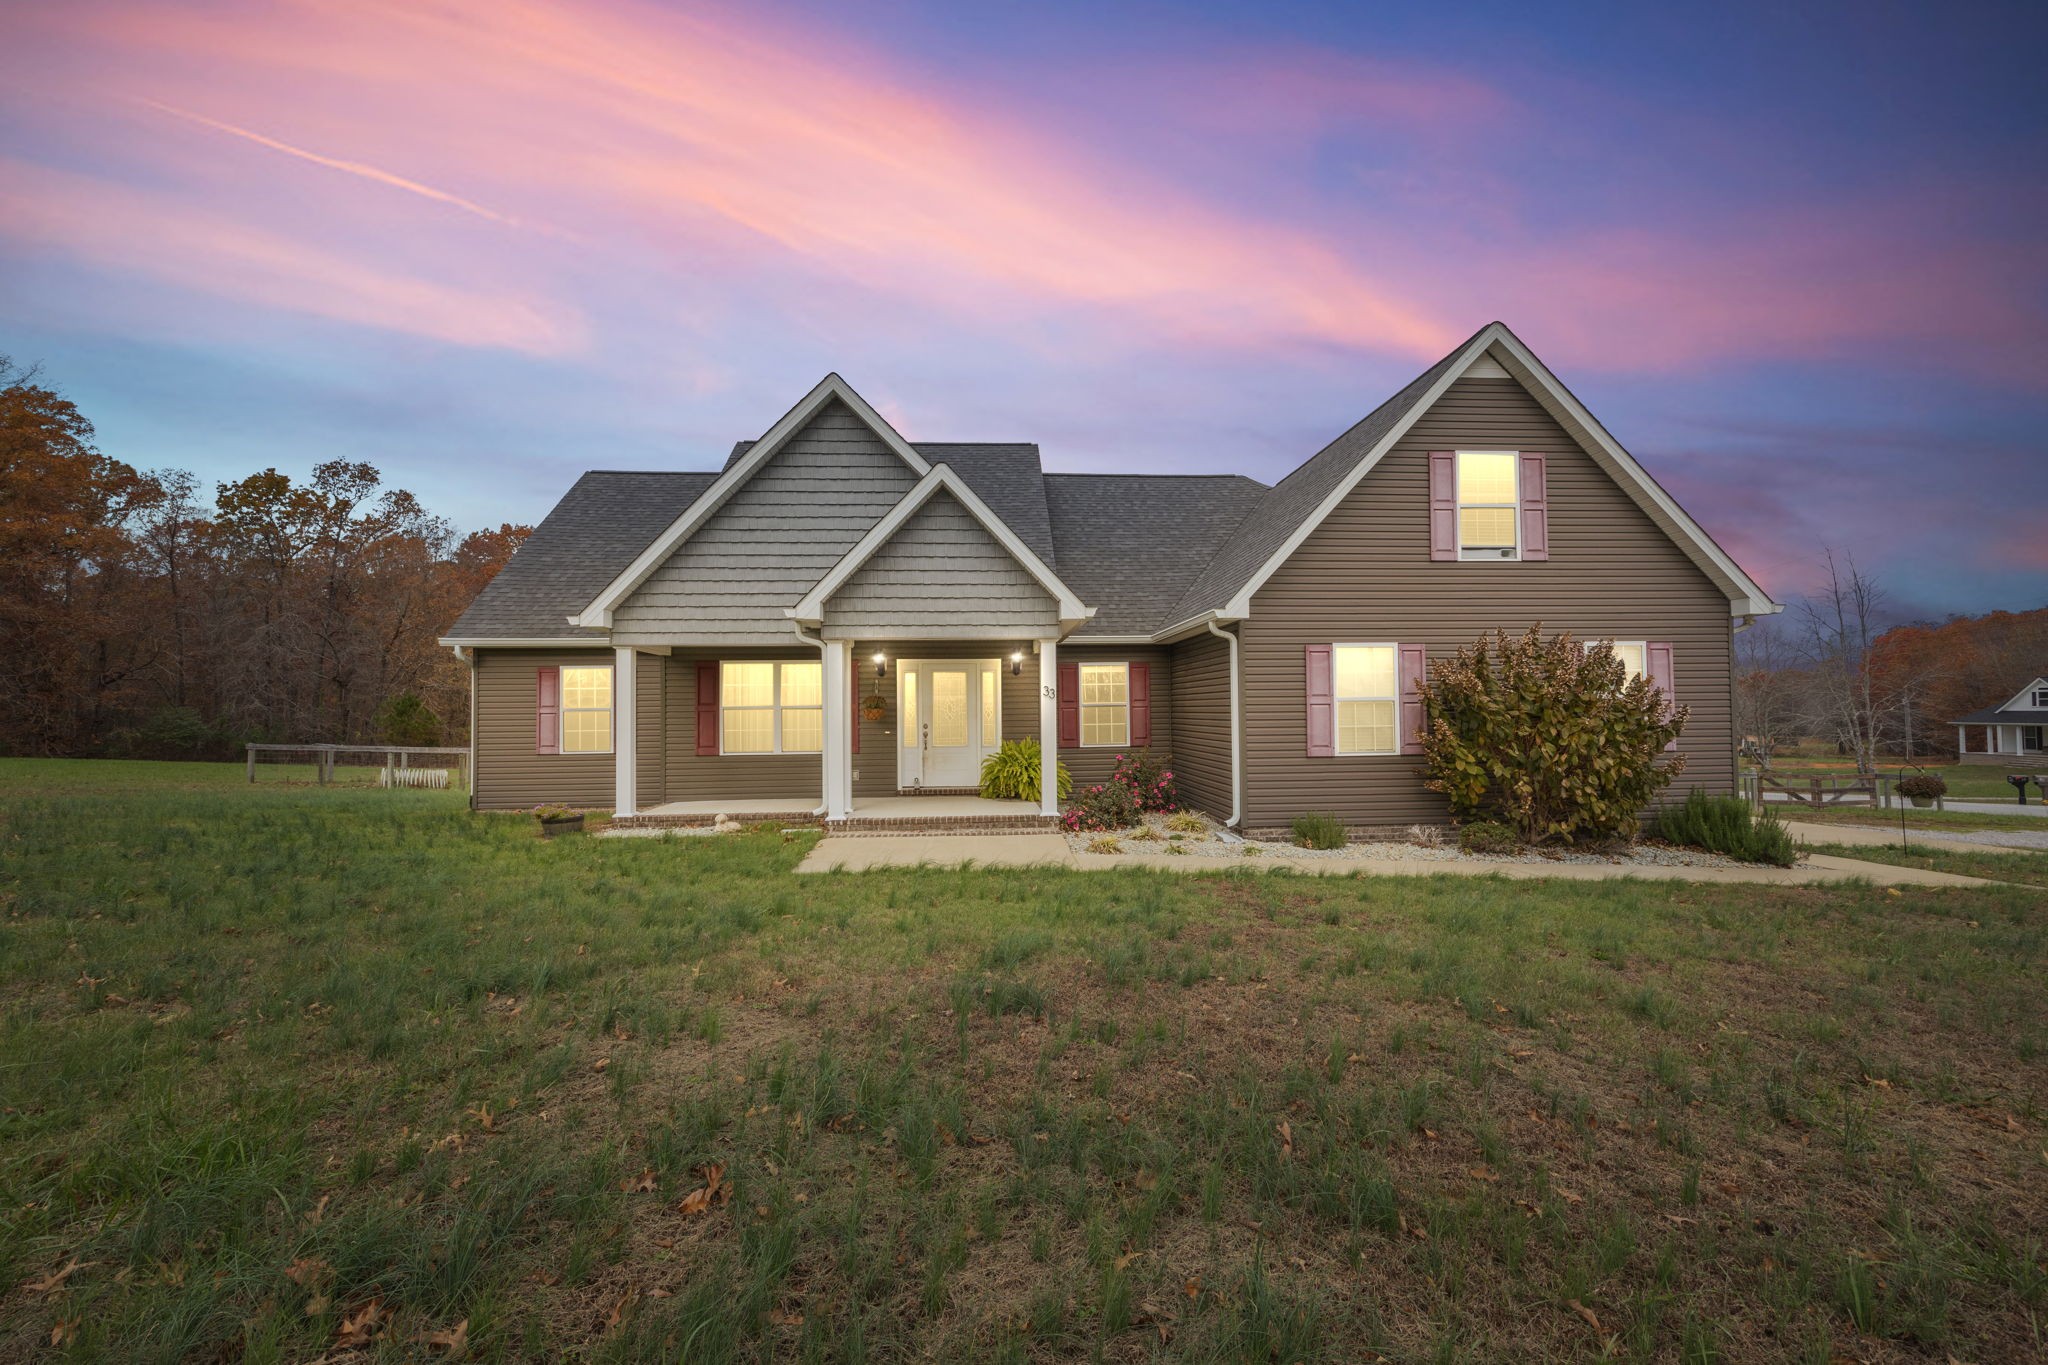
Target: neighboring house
(681,643)
(2013,733)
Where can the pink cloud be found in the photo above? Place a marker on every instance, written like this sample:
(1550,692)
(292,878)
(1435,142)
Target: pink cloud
(155,235)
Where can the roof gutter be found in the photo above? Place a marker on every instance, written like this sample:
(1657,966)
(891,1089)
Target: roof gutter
(1236,729)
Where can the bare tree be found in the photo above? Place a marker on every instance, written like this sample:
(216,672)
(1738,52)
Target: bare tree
(1766,685)
(1836,627)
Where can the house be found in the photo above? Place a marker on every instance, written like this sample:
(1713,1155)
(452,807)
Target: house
(2013,732)
(840,617)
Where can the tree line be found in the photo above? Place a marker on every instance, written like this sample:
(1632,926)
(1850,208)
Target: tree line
(1832,669)
(141,617)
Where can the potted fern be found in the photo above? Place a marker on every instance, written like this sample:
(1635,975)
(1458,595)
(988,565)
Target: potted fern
(1011,773)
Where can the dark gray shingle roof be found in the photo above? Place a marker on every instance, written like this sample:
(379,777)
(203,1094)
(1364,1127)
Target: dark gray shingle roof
(595,531)
(1130,543)
(1991,715)
(1295,498)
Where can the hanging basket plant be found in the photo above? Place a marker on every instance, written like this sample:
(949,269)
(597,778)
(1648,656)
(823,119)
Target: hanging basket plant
(873,706)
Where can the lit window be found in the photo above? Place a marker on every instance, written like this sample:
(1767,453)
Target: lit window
(989,722)
(771,708)
(587,710)
(1488,504)
(1633,656)
(1364,691)
(908,706)
(1105,705)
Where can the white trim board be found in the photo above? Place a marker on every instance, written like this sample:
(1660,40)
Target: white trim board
(1501,348)
(811,610)
(599,612)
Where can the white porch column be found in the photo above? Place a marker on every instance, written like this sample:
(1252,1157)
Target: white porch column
(625,732)
(1048,727)
(837,657)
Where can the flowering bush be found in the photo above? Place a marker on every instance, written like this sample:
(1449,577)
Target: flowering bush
(1104,806)
(1550,738)
(1150,780)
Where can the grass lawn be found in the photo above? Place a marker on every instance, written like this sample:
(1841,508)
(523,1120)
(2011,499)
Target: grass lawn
(1954,821)
(2030,869)
(285,1070)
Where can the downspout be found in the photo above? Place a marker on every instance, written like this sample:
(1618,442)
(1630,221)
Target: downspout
(1236,730)
(824,767)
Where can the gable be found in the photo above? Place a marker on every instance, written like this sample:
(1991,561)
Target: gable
(732,580)
(1607,555)
(2023,700)
(942,574)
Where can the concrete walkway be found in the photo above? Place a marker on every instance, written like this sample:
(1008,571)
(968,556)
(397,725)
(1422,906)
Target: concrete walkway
(1050,850)
(1873,836)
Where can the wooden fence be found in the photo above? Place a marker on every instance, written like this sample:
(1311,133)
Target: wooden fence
(393,759)
(1858,789)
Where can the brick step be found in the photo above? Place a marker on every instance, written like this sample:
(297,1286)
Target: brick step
(945,824)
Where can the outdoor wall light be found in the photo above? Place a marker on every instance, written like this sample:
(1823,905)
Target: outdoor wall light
(1017,664)
(881,667)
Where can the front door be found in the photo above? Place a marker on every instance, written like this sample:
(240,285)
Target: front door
(950,711)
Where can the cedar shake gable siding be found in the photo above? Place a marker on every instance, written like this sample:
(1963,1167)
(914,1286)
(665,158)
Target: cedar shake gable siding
(774,538)
(941,575)
(1365,575)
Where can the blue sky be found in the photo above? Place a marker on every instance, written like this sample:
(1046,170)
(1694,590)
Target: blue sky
(1793,256)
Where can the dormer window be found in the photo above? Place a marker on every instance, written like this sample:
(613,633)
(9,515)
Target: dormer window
(2040,701)
(1489,504)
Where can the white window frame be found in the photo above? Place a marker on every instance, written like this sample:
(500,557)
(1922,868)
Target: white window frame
(775,707)
(1337,700)
(1487,556)
(2039,700)
(1083,705)
(562,708)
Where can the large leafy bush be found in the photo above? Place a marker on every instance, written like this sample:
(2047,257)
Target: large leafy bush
(1012,772)
(1549,737)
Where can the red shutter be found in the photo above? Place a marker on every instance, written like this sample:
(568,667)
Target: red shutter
(547,711)
(856,708)
(707,708)
(1322,714)
(1070,706)
(1443,504)
(1657,660)
(1414,664)
(1141,705)
(1535,507)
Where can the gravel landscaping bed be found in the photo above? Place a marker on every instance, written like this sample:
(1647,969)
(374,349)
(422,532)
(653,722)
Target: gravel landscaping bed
(1215,842)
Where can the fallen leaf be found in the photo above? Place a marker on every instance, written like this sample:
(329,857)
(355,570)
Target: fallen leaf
(715,1191)
(318,1211)
(1681,1219)
(619,1310)
(1286,1132)
(1562,1193)
(659,1294)
(362,1326)
(600,1064)
(780,1318)
(1145,1180)
(317,1305)
(482,1114)
(550,1278)
(1584,1312)
(1193,1288)
(1877,1081)
(1482,1173)
(454,1341)
(643,1183)
(56,1279)
(63,1330)
(1125,1259)
(307,1270)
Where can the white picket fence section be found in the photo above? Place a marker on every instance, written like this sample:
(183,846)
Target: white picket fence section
(437,778)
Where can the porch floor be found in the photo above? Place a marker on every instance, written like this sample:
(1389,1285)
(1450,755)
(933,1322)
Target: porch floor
(864,808)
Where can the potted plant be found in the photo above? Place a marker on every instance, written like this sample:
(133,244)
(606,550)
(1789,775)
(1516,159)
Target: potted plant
(558,820)
(873,706)
(1921,788)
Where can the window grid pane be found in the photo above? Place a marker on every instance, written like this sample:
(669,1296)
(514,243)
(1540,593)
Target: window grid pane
(586,732)
(750,730)
(1486,477)
(747,684)
(586,688)
(1103,684)
(1104,725)
(1486,528)
(949,708)
(803,684)
(1631,657)
(909,709)
(803,730)
(1365,727)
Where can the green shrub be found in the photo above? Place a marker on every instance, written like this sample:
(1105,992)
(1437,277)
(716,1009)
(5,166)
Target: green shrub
(1103,806)
(1487,836)
(1922,786)
(1316,829)
(1727,825)
(1012,773)
(1187,822)
(1547,736)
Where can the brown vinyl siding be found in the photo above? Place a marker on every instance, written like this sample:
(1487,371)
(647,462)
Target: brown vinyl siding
(510,775)
(1201,723)
(738,777)
(1096,763)
(1365,575)
(650,675)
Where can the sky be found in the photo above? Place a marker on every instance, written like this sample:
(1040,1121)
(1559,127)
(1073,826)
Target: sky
(1794,257)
